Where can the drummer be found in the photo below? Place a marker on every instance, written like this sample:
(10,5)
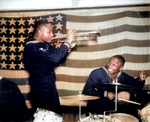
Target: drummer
(110,74)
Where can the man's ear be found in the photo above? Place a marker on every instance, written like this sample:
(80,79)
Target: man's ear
(121,68)
(39,32)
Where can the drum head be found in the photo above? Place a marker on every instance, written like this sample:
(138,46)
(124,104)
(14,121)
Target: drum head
(96,118)
(43,115)
(124,117)
(145,114)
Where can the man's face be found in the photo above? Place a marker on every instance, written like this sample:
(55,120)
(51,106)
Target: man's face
(46,33)
(143,75)
(114,66)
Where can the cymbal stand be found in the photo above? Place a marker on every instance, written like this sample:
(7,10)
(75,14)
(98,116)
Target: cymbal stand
(116,99)
(80,107)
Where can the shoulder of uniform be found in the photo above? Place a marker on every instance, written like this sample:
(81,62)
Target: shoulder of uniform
(33,42)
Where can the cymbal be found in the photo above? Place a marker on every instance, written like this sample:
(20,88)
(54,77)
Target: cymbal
(80,97)
(113,86)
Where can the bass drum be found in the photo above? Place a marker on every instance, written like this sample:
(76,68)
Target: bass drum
(145,114)
(43,115)
(121,117)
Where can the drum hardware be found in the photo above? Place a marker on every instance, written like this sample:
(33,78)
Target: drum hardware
(95,118)
(80,100)
(116,117)
(104,118)
(80,97)
(116,99)
(84,97)
(117,86)
(80,106)
(113,86)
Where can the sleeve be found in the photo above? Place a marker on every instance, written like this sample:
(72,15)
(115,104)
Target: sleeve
(140,84)
(92,86)
(53,55)
(47,55)
(135,82)
(89,88)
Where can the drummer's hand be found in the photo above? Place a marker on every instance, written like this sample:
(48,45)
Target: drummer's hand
(111,95)
(83,103)
(124,95)
(143,75)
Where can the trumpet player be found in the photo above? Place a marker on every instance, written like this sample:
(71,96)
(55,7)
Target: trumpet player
(40,59)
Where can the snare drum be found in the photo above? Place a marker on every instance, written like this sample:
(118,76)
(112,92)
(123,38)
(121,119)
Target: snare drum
(145,114)
(121,117)
(117,117)
(43,115)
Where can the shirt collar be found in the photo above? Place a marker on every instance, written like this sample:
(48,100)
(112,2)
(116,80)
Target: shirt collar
(109,74)
(1,77)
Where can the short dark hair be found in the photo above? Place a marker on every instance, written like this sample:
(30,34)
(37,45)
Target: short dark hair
(35,26)
(39,23)
(120,57)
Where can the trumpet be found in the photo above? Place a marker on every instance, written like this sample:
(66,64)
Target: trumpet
(79,36)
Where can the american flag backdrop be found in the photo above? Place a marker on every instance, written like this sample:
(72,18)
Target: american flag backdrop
(15,32)
(124,30)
